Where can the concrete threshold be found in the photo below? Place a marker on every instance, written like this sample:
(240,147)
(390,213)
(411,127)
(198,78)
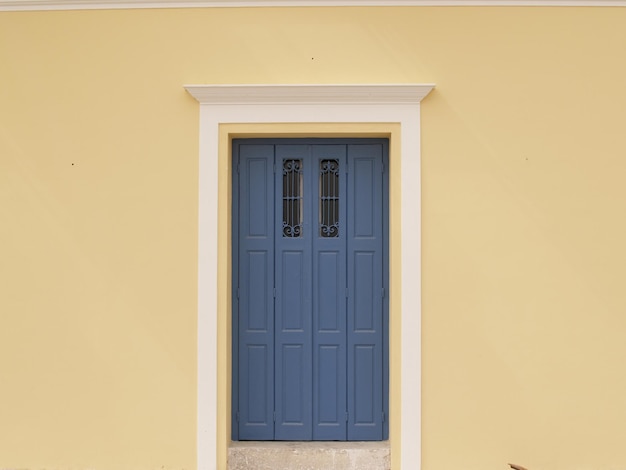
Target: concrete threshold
(315,455)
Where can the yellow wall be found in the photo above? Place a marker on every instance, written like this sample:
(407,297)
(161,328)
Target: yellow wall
(523,226)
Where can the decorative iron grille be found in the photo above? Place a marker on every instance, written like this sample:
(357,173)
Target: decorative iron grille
(292,198)
(329,198)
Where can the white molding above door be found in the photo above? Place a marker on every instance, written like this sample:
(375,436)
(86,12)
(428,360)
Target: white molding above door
(28,5)
(309,94)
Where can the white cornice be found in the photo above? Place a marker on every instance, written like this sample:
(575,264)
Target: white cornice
(27,5)
(310,94)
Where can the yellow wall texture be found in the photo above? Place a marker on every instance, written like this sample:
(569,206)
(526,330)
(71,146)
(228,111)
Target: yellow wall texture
(523,222)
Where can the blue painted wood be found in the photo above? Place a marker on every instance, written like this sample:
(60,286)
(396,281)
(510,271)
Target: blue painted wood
(255,290)
(365,285)
(293,308)
(385,203)
(329,309)
(311,353)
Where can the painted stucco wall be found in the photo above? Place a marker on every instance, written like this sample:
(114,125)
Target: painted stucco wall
(523,226)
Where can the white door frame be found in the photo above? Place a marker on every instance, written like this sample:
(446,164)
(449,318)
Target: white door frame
(340,104)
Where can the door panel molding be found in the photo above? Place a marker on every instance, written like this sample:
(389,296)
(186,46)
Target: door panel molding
(328,275)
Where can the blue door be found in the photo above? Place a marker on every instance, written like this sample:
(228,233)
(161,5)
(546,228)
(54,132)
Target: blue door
(310,276)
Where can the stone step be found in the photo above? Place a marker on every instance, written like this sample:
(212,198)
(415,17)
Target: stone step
(274,455)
